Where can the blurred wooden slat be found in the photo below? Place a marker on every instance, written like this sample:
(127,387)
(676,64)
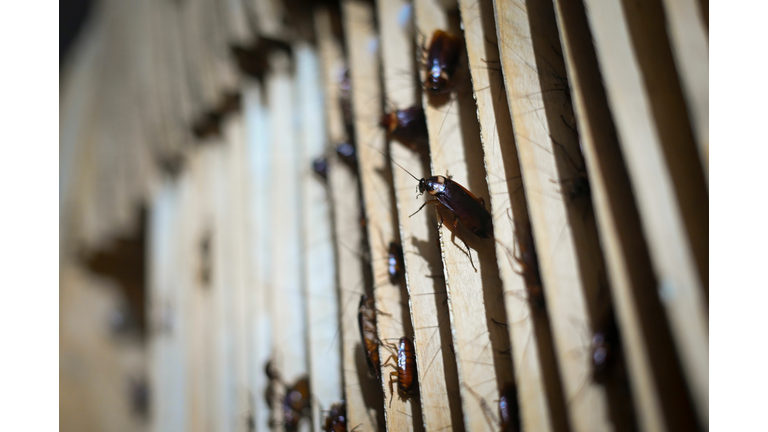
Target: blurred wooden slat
(570,266)
(361,43)
(475,297)
(319,275)
(542,408)
(436,364)
(289,344)
(689,38)
(679,285)
(345,200)
(261,313)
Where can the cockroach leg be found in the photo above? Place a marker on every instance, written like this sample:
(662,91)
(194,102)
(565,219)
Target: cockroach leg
(422,206)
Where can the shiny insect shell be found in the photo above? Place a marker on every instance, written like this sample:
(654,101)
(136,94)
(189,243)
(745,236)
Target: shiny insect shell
(442,59)
(466,207)
(336,419)
(508,410)
(394,263)
(406,369)
(366,318)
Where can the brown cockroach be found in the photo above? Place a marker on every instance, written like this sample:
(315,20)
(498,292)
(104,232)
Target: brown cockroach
(395,263)
(336,419)
(509,411)
(409,126)
(366,318)
(604,347)
(296,403)
(347,154)
(405,369)
(442,60)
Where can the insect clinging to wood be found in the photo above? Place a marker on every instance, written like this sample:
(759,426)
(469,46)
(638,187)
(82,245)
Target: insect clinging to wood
(508,409)
(394,263)
(442,60)
(405,371)
(336,419)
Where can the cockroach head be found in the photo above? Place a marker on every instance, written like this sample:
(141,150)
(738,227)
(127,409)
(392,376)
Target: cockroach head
(422,187)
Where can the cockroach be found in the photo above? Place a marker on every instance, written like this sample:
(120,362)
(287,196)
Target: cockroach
(409,126)
(604,347)
(320,167)
(345,99)
(442,60)
(395,263)
(464,205)
(336,419)
(405,369)
(366,318)
(296,403)
(347,154)
(508,409)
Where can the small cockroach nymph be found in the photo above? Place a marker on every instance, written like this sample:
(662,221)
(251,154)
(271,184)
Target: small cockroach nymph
(405,369)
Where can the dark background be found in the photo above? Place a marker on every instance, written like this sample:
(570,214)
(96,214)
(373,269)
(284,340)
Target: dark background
(72,16)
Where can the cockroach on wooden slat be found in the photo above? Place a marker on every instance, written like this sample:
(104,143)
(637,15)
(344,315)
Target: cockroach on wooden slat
(409,126)
(320,167)
(366,318)
(465,207)
(509,411)
(394,263)
(442,60)
(405,369)
(336,419)
(296,403)
(604,347)
(347,154)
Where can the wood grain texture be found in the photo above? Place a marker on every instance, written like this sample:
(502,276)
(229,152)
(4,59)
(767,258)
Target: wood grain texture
(436,363)
(345,201)
(569,258)
(320,267)
(673,260)
(475,297)
(374,170)
(536,376)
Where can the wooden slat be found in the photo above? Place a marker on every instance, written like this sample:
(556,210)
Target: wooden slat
(673,259)
(569,256)
(475,297)
(436,364)
(289,344)
(689,38)
(359,26)
(538,381)
(345,200)
(260,170)
(320,268)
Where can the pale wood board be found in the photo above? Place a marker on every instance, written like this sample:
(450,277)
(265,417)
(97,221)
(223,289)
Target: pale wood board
(289,334)
(689,38)
(507,200)
(645,340)
(679,284)
(481,345)
(260,312)
(269,16)
(234,164)
(345,202)
(570,276)
(320,268)
(436,364)
(361,43)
